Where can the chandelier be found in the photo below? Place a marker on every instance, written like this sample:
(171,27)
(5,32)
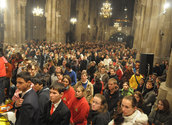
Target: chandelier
(106,10)
(116,25)
(38,11)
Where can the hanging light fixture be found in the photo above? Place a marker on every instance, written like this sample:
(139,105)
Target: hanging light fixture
(73,20)
(38,11)
(119,29)
(106,10)
(3,4)
(116,25)
(125,9)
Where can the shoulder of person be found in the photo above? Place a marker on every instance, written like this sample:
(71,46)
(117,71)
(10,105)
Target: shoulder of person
(142,119)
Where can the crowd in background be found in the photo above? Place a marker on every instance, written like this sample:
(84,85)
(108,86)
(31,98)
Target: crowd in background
(99,84)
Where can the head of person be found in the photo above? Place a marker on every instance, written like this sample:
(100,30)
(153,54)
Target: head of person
(23,81)
(113,85)
(154,76)
(142,81)
(149,84)
(125,85)
(64,62)
(163,105)
(138,96)
(56,92)
(137,64)
(130,66)
(79,92)
(59,76)
(39,83)
(97,77)
(45,69)
(68,66)
(84,76)
(99,103)
(107,57)
(112,70)
(58,69)
(66,80)
(102,69)
(137,72)
(128,105)
(33,69)
(50,62)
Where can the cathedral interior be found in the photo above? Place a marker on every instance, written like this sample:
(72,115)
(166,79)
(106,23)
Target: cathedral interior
(145,25)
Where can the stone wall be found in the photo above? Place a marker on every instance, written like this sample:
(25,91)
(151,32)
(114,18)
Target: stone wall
(149,23)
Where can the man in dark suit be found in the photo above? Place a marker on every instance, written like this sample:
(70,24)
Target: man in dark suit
(27,106)
(42,90)
(55,111)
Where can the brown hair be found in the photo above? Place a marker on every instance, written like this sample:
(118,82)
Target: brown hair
(68,78)
(132,99)
(140,96)
(104,105)
(165,104)
(58,86)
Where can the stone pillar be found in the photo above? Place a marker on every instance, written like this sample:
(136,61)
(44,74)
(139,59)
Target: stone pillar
(53,19)
(48,20)
(164,38)
(57,14)
(149,22)
(169,78)
(82,16)
(14,20)
(23,20)
(165,90)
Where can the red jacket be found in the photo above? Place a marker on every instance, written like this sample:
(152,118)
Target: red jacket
(79,111)
(2,67)
(68,97)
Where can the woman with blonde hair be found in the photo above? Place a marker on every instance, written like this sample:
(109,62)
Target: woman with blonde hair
(80,108)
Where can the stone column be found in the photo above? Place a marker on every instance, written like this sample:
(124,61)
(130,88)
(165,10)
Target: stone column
(149,22)
(169,78)
(23,20)
(164,39)
(53,19)
(14,21)
(165,90)
(56,9)
(48,20)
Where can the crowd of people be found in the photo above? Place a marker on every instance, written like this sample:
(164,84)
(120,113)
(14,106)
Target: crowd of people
(90,83)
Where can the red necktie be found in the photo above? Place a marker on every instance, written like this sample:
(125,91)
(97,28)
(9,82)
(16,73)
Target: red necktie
(52,109)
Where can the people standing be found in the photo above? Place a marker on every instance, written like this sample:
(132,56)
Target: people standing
(55,111)
(27,106)
(80,108)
